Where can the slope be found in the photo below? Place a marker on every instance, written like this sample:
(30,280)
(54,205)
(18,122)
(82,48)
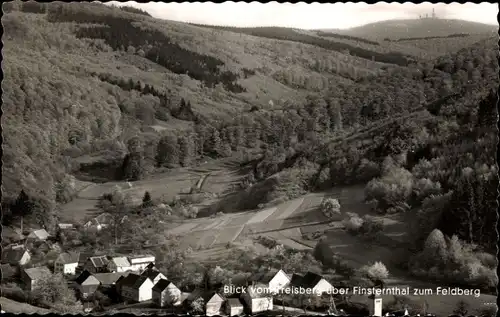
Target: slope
(396,29)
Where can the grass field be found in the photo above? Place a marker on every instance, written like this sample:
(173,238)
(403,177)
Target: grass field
(13,307)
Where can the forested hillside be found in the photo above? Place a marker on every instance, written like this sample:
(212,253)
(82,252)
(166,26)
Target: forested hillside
(118,89)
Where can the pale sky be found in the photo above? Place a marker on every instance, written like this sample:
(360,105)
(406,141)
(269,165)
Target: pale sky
(311,16)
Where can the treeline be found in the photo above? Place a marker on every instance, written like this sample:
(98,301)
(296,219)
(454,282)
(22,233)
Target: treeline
(286,34)
(346,37)
(134,10)
(121,33)
(428,37)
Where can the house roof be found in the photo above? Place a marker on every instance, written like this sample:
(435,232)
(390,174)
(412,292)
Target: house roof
(37,272)
(152,274)
(84,276)
(109,278)
(132,280)
(310,280)
(99,261)
(41,234)
(13,255)
(266,277)
(67,258)
(121,261)
(151,266)
(84,256)
(234,302)
(65,225)
(253,293)
(296,280)
(161,285)
(141,256)
(211,296)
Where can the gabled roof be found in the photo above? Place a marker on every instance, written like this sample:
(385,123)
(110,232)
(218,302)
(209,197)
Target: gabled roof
(253,291)
(84,257)
(151,266)
(37,272)
(234,302)
(140,256)
(13,255)
(99,261)
(296,280)
(68,258)
(310,280)
(161,285)
(120,261)
(109,278)
(132,280)
(82,277)
(152,274)
(266,277)
(207,297)
(41,234)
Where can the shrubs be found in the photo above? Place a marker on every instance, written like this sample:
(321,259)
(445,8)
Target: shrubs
(330,207)
(391,190)
(367,226)
(453,260)
(353,223)
(376,271)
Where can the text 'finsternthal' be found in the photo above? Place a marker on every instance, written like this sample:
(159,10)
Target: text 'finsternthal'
(292,290)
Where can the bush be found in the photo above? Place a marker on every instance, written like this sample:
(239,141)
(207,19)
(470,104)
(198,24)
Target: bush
(376,271)
(330,207)
(424,188)
(488,260)
(353,224)
(371,226)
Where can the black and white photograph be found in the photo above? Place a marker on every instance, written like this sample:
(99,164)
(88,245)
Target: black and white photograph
(244,159)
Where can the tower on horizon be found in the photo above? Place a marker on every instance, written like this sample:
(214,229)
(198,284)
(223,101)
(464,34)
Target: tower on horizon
(433,13)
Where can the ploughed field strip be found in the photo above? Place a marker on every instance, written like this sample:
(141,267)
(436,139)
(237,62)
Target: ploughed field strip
(262,215)
(289,209)
(240,219)
(228,235)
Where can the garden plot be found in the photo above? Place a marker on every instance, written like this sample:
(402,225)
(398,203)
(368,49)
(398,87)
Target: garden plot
(183,228)
(228,235)
(223,223)
(212,224)
(240,219)
(290,207)
(192,239)
(272,225)
(207,239)
(261,215)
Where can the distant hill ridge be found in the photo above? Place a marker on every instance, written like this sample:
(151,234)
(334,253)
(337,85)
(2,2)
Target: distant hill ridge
(411,28)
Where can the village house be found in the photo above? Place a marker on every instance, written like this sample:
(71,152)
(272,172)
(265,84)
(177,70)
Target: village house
(315,282)
(16,256)
(37,235)
(150,266)
(66,263)
(139,262)
(213,303)
(257,298)
(86,284)
(108,280)
(154,275)
(274,280)
(100,222)
(234,307)
(31,277)
(119,264)
(97,264)
(65,226)
(165,293)
(135,288)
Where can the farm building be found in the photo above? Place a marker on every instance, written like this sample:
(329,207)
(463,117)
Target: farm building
(38,235)
(312,281)
(274,280)
(65,226)
(154,275)
(234,307)
(97,264)
(213,304)
(135,288)
(139,262)
(100,222)
(257,298)
(109,279)
(32,276)
(165,293)
(16,256)
(66,263)
(119,264)
(87,284)
(150,266)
